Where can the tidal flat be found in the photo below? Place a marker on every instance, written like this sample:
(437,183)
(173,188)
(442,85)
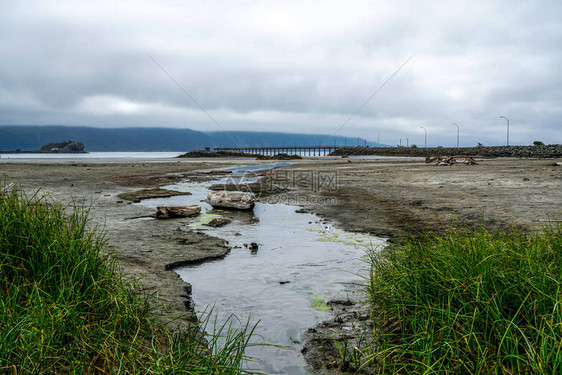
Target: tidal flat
(386,198)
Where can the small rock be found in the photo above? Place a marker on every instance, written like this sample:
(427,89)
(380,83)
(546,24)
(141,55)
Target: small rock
(525,179)
(254,246)
(254,220)
(218,222)
(284,282)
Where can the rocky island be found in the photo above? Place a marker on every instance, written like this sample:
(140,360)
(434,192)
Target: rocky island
(66,147)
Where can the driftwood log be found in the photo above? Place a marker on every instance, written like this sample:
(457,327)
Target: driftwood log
(450,160)
(169,212)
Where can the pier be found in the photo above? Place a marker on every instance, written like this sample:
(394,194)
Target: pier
(290,150)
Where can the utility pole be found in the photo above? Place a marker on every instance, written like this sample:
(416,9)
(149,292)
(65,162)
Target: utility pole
(457,134)
(425,138)
(506,119)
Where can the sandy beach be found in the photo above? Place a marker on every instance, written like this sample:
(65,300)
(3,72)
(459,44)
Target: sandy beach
(387,197)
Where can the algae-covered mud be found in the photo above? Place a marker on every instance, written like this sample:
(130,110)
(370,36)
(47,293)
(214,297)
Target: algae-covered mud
(283,269)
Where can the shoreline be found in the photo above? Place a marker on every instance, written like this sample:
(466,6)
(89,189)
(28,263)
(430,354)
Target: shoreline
(387,198)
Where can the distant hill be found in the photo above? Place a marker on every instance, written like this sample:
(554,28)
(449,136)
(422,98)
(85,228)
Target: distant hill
(28,138)
(249,139)
(103,139)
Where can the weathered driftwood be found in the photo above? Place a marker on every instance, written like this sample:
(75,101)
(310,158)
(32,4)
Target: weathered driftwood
(231,200)
(450,160)
(220,171)
(169,212)
(469,161)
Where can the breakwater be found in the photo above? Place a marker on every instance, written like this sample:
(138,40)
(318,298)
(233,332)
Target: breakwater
(538,151)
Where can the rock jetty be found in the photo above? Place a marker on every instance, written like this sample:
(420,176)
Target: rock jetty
(535,151)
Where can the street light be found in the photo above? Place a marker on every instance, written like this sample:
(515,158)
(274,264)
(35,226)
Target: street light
(425,139)
(506,119)
(458,129)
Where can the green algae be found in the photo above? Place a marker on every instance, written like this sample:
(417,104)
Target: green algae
(349,239)
(319,304)
(202,220)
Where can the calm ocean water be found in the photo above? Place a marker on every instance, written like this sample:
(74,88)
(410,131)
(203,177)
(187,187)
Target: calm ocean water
(94,155)
(132,156)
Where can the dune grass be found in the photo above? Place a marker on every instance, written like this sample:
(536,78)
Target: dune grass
(468,302)
(65,308)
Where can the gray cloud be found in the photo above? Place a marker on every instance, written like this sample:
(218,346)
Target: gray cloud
(296,66)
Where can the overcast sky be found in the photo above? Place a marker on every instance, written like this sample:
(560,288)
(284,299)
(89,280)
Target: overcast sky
(291,66)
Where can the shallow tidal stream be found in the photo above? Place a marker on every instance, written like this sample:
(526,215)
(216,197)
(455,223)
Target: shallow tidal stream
(301,263)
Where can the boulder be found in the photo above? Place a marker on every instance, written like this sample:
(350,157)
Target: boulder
(168,212)
(231,200)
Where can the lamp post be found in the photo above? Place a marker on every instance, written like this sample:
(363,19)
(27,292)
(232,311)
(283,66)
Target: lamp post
(506,119)
(425,139)
(458,129)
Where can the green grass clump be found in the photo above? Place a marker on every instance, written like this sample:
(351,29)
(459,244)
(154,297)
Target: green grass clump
(65,308)
(469,302)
